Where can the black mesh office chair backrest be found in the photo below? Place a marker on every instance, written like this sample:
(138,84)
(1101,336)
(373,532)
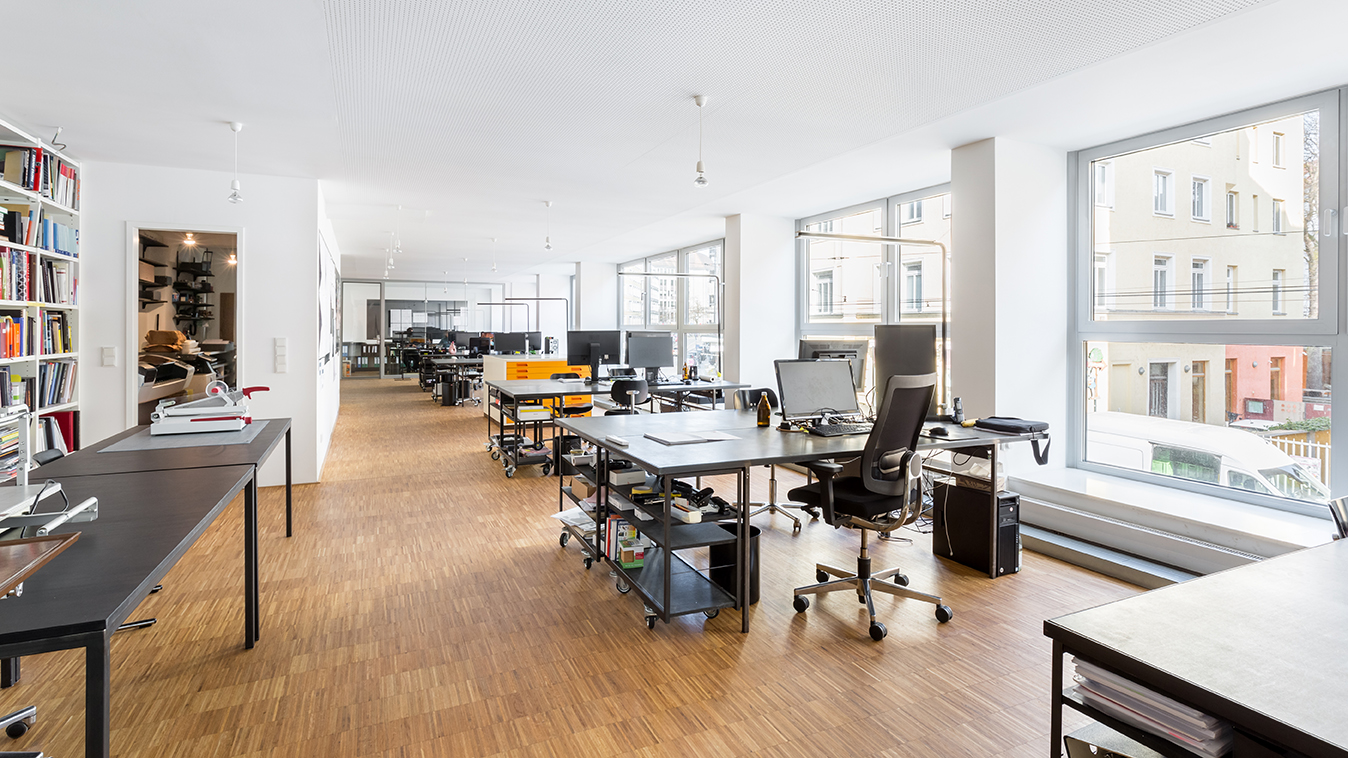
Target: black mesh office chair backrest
(898,425)
(624,389)
(748,399)
(566,375)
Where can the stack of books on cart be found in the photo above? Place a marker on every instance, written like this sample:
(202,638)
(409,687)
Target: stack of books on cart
(1151,711)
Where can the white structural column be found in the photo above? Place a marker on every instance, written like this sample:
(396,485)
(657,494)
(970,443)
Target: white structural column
(1009,284)
(760,296)
(596,295)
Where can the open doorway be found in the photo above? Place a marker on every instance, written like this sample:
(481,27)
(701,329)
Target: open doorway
(187,313)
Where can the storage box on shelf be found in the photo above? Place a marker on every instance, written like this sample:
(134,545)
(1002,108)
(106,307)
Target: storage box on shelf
(39,283)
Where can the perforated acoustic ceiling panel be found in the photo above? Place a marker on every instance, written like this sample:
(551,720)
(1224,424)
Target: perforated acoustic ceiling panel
(481,109)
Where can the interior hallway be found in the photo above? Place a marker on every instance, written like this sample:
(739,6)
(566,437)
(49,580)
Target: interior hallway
(425,608)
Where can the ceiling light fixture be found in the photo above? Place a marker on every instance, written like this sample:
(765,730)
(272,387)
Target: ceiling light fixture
(234,196)
(701,180)
(547,240)
(189,240)
(493,255)
(233,259)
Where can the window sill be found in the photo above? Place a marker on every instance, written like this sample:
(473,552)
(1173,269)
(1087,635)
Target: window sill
(1229,523)
(1162,215)
(1201,220)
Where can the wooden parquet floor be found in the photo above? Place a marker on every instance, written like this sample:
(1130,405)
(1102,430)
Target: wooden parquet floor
(425,608)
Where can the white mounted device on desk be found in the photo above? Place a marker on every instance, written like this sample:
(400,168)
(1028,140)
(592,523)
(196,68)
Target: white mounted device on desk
(221,410)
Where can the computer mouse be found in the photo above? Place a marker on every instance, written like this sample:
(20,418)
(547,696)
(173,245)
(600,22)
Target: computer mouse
(938,431)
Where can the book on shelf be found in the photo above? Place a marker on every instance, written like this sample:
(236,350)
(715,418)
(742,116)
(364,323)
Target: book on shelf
(58,286)
(15,334)
(37,170)
(56,382)
(56,337)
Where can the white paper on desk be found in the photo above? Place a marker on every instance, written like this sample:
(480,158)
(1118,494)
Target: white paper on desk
(575,517)
(688,438)
(717,436)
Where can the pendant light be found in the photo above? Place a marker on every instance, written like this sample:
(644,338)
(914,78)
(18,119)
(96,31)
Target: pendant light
(547,241)
(234,196)
(701,180)
(493,255)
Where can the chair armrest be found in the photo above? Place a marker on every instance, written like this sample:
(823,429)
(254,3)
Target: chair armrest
(824,469)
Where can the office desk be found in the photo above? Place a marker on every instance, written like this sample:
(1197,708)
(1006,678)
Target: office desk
(146,523)
(680,391)
(1260,645)
(754,446)
(89,461)
(457,373)
(507,398)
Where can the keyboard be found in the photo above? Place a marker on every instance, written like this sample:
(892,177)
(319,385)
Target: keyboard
(839,430)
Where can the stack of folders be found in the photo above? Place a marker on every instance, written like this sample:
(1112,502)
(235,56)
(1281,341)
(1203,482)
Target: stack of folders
(9,452)
(1153,712)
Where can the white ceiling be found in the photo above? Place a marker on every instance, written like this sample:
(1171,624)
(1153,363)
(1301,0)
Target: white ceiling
(471,113)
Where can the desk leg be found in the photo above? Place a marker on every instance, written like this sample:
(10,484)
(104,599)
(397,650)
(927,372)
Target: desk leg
(288,494)
(9,672)
(744,549)
(992,509)
(97,697)
(250,561)
(1055,716)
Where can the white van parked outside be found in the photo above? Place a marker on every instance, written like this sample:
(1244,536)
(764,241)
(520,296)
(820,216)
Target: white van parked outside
(1200,453)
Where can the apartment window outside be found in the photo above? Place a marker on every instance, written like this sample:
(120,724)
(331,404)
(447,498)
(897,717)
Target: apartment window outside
(1160,283)
(823,292)
(1163,193)
(1145,365)
(1104,184)
(1202,200)
(1199,398)
(633,294)
(912,287)
(1101,281)
(701,296)
(912,212)
(945,205)
(663,291)
(1198,298)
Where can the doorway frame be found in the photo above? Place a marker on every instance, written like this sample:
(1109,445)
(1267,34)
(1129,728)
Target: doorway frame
(131,340)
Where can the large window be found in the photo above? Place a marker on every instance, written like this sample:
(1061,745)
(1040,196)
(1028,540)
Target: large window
(846,283)
(687,305)
(1149,359)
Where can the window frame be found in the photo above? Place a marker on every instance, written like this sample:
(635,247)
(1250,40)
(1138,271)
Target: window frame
(1168,211)
(681,327)
(1205,194)
(1200,295)
(1324,331)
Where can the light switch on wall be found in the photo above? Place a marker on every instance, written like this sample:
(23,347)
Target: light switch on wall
(279,354)
(109,356)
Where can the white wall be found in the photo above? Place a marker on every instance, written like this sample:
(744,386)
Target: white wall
(760,297)
(555,317)
(596,295)
(278,261)
(1009,284)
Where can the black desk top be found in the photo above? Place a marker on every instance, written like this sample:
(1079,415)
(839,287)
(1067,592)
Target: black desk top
(1262,645)
(449,360)
(535,389)
(89,462)
(755,446)
(146,522)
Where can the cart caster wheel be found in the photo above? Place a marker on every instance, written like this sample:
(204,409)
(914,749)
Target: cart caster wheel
(900,579)
(878,631)
(17,729)
(712,613)
(820,576)
(547,469)
(588,563)
(623,589)
(496,455)
(565,538)
(510,473)
(800,603)
(650,622)
(944,614)
(814,512)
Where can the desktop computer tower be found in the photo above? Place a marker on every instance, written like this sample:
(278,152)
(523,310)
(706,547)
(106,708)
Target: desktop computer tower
(962,528)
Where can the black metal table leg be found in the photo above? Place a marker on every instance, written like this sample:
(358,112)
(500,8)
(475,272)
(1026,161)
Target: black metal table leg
(288,493)
(744,549)
(9,672)
(250,560)
(98,697)
(1055,715)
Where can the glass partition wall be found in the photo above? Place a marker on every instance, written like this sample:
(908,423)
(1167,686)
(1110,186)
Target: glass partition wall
(381,316)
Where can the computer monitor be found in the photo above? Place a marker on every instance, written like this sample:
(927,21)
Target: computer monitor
(535,340)
(509,342)
(907,349)
(479,345)
(592,349)
(651,351)
(850,350)
(810,389)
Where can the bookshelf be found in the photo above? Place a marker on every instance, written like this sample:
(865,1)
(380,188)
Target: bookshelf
(39,283)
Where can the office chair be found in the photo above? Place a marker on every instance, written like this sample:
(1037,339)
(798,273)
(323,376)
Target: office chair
(886,496)
(628,393)
(747,400)
(580,409)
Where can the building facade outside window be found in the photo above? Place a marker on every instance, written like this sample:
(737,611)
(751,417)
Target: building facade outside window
(1147,360)
(912,287)
(688,306)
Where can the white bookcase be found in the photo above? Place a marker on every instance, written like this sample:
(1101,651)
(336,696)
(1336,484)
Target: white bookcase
(42,261)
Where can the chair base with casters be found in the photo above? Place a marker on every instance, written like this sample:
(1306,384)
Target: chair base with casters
(886,496)
(865,583)
(747,400)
